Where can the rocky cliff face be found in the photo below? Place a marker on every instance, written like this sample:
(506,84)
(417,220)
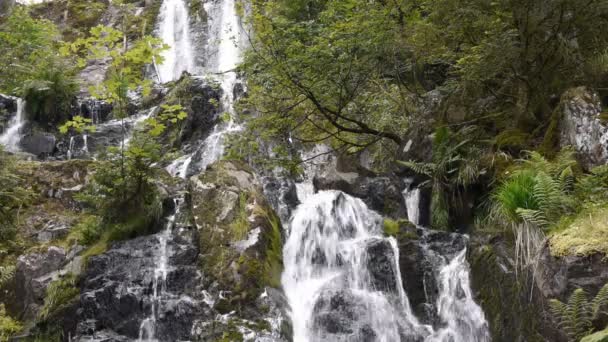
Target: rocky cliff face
(582,126)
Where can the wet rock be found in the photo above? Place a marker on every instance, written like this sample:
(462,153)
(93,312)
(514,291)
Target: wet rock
(281,194)
(514,308)
(381,194)
(380,262)
(582,127)
(228,209)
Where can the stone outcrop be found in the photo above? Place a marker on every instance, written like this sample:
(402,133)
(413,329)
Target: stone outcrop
(582,127)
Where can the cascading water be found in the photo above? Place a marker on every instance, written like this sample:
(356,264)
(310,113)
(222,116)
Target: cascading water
(343,282)
(329,269)
(12,136)
(147,329)
(225,30)
(174,29)
(411,196)
(463,318)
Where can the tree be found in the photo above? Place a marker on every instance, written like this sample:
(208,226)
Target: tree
(26,44)
(327,79)
(456,165)
(126,67)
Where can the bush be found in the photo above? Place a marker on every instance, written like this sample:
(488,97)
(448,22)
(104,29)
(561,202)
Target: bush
(49,93)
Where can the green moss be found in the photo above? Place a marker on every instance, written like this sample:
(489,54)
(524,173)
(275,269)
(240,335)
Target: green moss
(550,144)
(391,227)
(604,117)
(583,234)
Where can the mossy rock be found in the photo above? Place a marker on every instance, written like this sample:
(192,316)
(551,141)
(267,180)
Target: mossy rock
(503,297)
(240,235)
(600,336)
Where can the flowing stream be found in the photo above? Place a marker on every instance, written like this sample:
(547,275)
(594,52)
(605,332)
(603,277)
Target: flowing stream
(147,329)
(12,136)
(224,55)
(343,282)
(174,29)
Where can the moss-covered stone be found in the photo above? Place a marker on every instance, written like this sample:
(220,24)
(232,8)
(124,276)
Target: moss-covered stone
(503,298)
(240,235)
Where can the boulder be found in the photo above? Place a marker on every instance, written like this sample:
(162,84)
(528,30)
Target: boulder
(240,235)
(39,144)
(582,127)
(382,194)
(33,273)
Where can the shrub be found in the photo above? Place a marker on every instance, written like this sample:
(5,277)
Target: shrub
(49,93)
(536,193)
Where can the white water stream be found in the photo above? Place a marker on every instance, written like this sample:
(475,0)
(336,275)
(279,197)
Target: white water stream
(12,136)
(174,29)
(224,49)
(147,329)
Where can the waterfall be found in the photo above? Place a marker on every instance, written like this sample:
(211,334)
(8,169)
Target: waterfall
(225,30)
(12,136)
(343,282)
(330,256)
(412,202)
(463,318)
(174,29)
(147,329)
(71,147)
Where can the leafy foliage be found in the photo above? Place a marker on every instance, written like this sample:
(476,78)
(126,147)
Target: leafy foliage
(576,317)
(78,125)
(535,194)
(124,188)
(455,165)
(126,63)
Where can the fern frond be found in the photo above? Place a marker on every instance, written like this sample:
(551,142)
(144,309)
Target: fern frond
(534,217)
(599,301)
(548,194)
(6,274)
(427,169)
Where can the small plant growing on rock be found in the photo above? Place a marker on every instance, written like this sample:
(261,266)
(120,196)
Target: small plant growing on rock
(576,316)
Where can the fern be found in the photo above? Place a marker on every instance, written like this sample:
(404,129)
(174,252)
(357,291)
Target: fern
(426,169)
(600,301)
(575,317)
(6,274)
